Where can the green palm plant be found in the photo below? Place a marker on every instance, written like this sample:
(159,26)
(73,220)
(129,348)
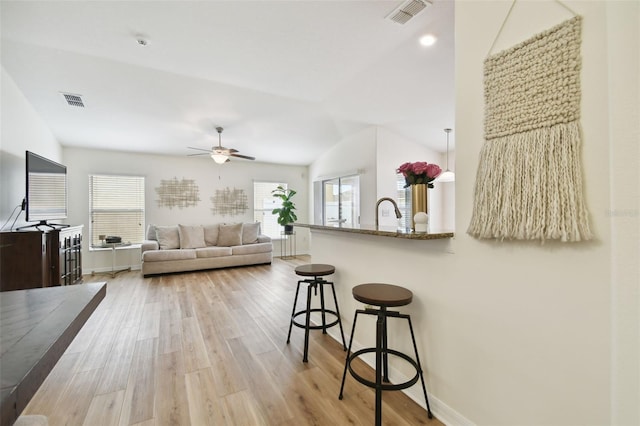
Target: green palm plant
(286,214)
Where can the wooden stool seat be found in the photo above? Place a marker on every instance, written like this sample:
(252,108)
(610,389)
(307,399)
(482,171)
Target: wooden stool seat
(315,270)
(382,294)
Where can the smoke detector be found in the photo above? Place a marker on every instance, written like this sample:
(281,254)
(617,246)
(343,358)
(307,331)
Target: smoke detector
(408,10)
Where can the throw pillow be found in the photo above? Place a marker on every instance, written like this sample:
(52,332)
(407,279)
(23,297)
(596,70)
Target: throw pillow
(151,233)
(168,237)
(230,235)
(211,234)
(191,236)
(250,232)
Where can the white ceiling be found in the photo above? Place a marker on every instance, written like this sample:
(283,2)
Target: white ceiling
(286,79)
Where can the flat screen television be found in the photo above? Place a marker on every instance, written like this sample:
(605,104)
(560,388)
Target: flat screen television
(46,196)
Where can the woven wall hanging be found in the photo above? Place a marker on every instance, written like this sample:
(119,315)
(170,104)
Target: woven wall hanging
(529,179)
(177,193)
(229,202)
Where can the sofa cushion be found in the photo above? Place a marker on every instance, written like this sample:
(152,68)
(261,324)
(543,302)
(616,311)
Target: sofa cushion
(250,232)
(168,237)
(191,236)
(230,235)
(148,245)
(151,233)
(211,234)
(252,248)
(213,252)
(164,255)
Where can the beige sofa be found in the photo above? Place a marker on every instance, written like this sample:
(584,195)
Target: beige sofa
(190,248)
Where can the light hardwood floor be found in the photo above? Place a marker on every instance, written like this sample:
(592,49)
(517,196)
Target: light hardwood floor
(207,348)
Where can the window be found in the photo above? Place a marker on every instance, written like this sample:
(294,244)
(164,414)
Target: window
(404,202)
(341,201)
(116,207)
(263,204)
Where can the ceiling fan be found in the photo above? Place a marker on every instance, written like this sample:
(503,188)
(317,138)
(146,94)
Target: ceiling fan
(219,153)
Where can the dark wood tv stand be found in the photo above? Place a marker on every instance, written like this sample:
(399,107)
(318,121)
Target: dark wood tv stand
(40,258)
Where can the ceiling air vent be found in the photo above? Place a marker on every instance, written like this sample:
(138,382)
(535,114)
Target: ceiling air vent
(73,100)
(408,10)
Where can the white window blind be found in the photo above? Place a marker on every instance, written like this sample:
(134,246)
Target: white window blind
(263,204)
(404,202)
(116,207)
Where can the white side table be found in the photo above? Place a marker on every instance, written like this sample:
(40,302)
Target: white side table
(288,245)
(114,247)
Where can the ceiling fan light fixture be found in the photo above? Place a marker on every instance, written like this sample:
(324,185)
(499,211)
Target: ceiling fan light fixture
(219,158)
(219,153)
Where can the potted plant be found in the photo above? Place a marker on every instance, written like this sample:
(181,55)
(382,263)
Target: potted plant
(286,214)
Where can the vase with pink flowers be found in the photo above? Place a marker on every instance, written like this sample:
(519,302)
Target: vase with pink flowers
(419,172)
(419,176)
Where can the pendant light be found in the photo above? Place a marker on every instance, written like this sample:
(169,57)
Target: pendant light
(447,175)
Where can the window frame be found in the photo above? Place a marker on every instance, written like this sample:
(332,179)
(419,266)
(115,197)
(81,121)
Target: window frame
(140,209)
(404,202)
(266,211)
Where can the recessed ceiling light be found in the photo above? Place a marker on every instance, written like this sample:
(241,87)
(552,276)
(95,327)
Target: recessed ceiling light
(428,40)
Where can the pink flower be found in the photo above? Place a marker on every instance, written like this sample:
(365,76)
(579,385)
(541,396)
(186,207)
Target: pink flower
(433,170)
(420,167)
(419,172)
(404,169)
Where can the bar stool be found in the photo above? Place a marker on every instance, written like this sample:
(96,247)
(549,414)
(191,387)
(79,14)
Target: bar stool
(383,296)
(317,271)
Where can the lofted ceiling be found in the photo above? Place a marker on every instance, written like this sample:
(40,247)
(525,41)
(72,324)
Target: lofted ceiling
(286,79)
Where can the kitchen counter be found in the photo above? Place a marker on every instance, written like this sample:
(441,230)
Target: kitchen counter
(380,231)
(36,327)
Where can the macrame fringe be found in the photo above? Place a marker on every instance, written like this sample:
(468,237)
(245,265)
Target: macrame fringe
(529,187)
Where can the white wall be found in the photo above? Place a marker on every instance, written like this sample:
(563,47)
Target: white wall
(624,129)
(522,332)
(208,175)
(355,154)
(22,129)
(549,306)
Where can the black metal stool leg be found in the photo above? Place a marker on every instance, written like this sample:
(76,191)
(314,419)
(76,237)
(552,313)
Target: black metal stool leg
(415,348)
(307,320)
(346,362)
(295,300)
(335,300)
(385,356)
(380,324)
(324,317)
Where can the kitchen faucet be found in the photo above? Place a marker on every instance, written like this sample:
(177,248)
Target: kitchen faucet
(395,206)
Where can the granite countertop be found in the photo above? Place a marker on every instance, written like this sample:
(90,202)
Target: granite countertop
(381,232)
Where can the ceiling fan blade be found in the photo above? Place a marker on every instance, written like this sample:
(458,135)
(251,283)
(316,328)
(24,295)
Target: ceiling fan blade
(199,149)
(225,150)
(246,157)
(200,153)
